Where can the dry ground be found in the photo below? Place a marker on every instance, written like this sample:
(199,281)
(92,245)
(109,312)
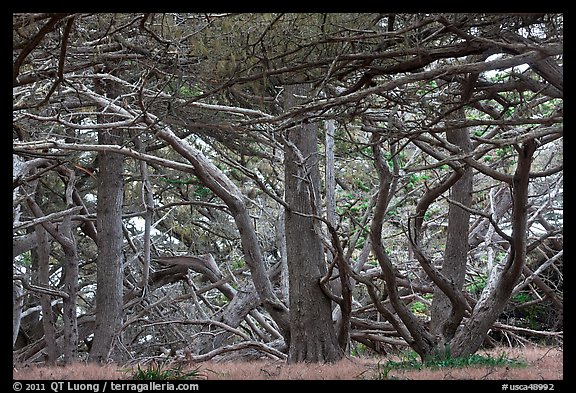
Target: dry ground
(544,363)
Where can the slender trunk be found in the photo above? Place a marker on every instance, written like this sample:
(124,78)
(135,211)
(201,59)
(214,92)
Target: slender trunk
(281,243)
(470,335)
(407,324)
(71,274)
(344,285)
(148,202)
(70,349)
(64,235)
(48,323)
(18,303)
(330,174)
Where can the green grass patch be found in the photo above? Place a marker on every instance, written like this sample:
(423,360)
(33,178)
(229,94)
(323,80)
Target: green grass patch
(165,372)
(411,361)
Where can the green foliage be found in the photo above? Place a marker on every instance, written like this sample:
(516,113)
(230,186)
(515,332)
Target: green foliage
(418,307)
(531,315)
(392,212)
(415,179)
(166,372)
(504,151)
(188,180)
(427,87)
(478,284)
(479,133)
(522,297)
(201,192)
(238,263)
(189,92)
(25,259)
(358,350)
(361,185)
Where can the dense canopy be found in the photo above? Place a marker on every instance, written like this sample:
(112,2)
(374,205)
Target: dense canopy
(295,186)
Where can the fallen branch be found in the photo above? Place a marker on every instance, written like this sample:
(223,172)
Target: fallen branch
(237,347)
(510,328)
(200,322)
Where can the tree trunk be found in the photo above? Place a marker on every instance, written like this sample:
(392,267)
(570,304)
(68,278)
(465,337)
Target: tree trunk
(281,244)
(42,252)
(312,337)
(109,278)
(502,204)
(470,335)
(71,273)
(64,234)
(18,303)
(445,318)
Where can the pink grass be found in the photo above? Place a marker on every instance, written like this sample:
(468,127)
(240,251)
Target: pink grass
(543,364)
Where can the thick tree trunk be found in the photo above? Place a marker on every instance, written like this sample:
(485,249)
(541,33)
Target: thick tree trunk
(445,318)
(312,338)
(109,278)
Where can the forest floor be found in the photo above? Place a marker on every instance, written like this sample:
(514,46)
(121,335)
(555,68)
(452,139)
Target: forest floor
(539,363)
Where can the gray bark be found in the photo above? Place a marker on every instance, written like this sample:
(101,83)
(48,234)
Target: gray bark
(470,335)
(242,302)
(312,338)
(71,272)
(281,243)
(17,304)
(225,189)
(148,202)
(407,324)
(502,204)
(109,278)
(445,316)
(48,323)
(64,235)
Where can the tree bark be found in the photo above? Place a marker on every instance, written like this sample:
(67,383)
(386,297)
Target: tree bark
(446,317)
(42,252)
(407,324)
(312,338)
(17,304)
(470,335)
(109,291)
(64,235)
